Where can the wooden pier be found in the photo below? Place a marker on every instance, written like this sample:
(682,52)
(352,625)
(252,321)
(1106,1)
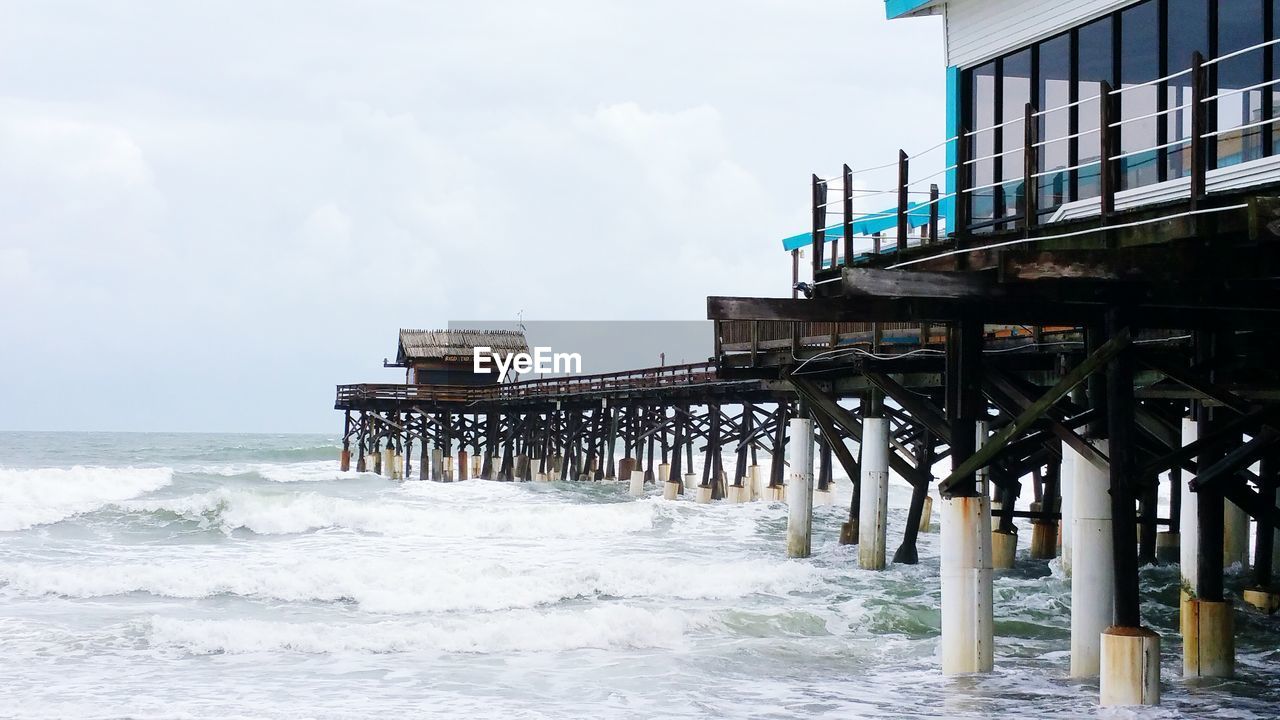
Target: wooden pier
(1100,359)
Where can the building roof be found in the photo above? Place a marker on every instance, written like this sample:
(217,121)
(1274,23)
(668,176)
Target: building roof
(911,8)
(459,343)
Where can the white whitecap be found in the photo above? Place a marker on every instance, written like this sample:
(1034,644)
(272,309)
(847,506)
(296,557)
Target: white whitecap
(604,628)
(46,495)
(285,513)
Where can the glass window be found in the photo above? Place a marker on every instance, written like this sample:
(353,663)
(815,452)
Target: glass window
(1054,83)
(1139,63)
(1094,65)
(1188,34)
(1016,84)
(1239,27)
(981,115)
(1274,73)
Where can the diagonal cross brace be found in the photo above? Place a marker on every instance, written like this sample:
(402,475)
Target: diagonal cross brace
(1236,460)
(920,408)
(821,401)
(992,447)
(1022,401)
(836,441)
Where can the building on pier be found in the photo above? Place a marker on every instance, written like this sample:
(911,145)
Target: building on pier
(1108,181)
(446,357)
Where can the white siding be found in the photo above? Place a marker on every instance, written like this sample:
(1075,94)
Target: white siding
(979,30)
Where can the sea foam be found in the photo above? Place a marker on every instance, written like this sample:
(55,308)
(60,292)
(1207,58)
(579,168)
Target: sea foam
(400,583)
(46,495)
(285,513)
(604,628)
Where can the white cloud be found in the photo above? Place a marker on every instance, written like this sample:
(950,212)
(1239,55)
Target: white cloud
(283,191)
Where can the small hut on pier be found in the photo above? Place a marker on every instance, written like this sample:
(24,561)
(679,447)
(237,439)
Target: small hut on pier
(446,357)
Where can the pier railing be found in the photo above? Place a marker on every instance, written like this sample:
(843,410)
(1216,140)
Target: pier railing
(349,396)
(1014,198)
(768,335)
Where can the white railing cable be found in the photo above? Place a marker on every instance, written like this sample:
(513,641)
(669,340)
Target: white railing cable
(1238,128)
(996,184)
(1237,91)
(1131,153)
(1148,116)
(1119,226)
(1239,52)
(1069,168)
(1068,106)
(928,150)
(1072,136)
(992,156)
(997,126)
(1126,88)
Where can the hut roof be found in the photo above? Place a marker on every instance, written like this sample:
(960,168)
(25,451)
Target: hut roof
(448,344)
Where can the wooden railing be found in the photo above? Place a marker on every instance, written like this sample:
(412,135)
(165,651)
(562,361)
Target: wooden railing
(646,378)
(766,335)
(839,235)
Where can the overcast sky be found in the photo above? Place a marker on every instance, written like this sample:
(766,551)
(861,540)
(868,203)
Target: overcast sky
(212,213)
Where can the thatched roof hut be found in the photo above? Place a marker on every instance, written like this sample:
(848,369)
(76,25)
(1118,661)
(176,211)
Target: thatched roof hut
(456,345)
(444,357)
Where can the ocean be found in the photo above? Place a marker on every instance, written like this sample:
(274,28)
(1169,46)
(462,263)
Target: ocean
(243,576)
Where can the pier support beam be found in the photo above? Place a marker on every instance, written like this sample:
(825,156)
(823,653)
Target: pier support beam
(874,509)
(1092,571)
(1208,638)
(637,483)
(1129,662)
(1004,548)
(1208,623)
(800,488)
(967,618)
(1262,594)
(1235,535)
(1189,527)
(1070,461)
(968,644)
(1130,666)
(1044,536)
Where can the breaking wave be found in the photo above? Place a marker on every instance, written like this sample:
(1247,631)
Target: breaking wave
(285,513)
(46,495)
(392,584)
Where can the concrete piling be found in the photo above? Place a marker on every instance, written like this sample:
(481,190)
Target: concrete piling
(874,509)
(637,483)
(967,619)
(800,489)
(1129,671)
(1092,571)
(1208,638)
